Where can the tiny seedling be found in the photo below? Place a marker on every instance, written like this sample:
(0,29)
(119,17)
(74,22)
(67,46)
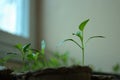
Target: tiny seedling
(80,35)
(24,51)
(6,58)
(31,56)
(116,68)
(61,58)
(37,56)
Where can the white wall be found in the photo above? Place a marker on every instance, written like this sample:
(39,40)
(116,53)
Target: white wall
(62,17)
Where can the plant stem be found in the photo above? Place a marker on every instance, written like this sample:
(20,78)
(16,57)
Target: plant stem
(82,49)
(23,58)
(83,56)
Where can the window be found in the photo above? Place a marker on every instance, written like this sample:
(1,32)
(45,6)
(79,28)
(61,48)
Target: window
(14,17)
(14,24)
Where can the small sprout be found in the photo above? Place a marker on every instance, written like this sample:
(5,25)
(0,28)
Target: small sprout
(32,58)
(116,68)
(7,57)
(43,45)
(80,35)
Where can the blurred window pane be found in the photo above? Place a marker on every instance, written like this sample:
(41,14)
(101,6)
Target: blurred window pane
(14,16)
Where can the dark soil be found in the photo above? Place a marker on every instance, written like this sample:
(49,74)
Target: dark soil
(6,74)
(62,73)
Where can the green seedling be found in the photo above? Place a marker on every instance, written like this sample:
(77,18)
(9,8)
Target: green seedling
(33,57)
(37,56)
(54,62)
(6,58)
(61,58)
(24,51)
(80,35)
(116,68)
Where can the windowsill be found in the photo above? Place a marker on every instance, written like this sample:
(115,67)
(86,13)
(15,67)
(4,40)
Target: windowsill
(7,42)
(10,39)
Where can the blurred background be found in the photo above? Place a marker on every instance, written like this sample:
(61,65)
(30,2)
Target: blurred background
(31,21)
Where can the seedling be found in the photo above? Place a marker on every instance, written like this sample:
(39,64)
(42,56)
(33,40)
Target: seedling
(60,59)
(116,68)
(80,35)
(24,51)
(6,58)
(30,55)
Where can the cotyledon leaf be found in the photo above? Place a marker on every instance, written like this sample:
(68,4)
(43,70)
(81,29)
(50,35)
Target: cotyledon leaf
(83,24)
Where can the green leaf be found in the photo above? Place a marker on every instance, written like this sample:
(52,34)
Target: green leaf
(82,25)
(57,54)
(116,68)
(36,55)
(35,50)
(30,56)
(2,61)
(6,58)
(18,46)
(94,37)
(79,34)
(26,47)
(73,41)
(43,44)
(11,53)
(54,62)
(64,57)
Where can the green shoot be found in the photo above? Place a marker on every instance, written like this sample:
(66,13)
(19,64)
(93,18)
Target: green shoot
(116,68)
(80,35)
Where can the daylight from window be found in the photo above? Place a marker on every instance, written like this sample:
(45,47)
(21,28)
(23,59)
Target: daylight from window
(8,15)
(11,12)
